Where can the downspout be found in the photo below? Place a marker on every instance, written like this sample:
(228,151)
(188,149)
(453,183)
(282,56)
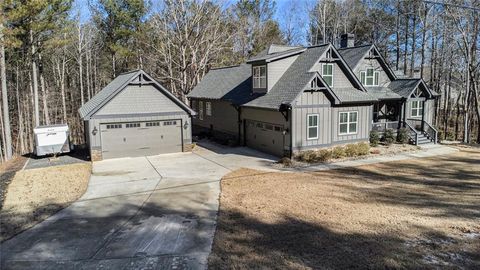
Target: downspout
(286,109)
(423,115)
(239,123)
(239,114)
(291,137)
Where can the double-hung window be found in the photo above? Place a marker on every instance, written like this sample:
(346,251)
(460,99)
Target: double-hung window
(417,108)
(312,126)
(348,123)
(260,77)
(369,77)
(327,74)
(208,108)
(200,110)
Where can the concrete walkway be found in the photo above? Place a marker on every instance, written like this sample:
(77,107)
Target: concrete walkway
(138,213)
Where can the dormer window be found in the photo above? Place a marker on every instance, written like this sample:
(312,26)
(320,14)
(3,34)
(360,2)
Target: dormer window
(327,74)
(260,77)
(369,77)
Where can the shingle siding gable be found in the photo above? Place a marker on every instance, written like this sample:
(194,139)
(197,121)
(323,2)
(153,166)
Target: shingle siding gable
(136,99)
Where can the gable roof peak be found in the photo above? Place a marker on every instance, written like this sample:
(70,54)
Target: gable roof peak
(117,85)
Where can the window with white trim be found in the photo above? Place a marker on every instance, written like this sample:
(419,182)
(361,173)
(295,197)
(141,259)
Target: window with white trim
(208,108)
(327,74)
(260,77)
(200,110)
(312,126)
(417,108)
(348,123)
(369,77)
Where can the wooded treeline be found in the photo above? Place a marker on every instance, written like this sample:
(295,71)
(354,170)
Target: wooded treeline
(55,59)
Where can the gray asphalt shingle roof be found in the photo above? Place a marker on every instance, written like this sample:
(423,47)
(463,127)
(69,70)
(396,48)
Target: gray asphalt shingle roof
(267,55)
(404,87)
(353,55)
(274,48)
(293,80)
(106,92)
(383,93)
(297,76)
(230,83)
(348,95)
(234,83)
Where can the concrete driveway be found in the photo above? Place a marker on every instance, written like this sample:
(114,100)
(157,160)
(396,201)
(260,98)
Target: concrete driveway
(151,213)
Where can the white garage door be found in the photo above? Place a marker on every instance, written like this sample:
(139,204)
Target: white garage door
(141,138)
(266,137)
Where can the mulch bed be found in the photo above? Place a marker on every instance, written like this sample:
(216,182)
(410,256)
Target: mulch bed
(8,171)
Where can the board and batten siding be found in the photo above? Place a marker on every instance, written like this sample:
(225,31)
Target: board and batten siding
(136,99)
(328,133)
(95,140)
(311,103)
(224,116)
(276,69)
(429,109)
(364,123)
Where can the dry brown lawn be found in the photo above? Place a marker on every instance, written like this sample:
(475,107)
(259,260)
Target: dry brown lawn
(420,213)
(34,195)
(7,171)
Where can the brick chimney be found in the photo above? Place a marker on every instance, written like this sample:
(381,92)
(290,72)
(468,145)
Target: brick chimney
(347,40)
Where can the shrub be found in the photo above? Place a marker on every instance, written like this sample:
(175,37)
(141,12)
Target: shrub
(374,138)
(338,152)
(286,162)
(307,156)
(351,150)
(402,136)
(363,149)
(323,155)
(388,137)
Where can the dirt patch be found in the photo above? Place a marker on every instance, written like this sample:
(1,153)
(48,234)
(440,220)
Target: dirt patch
(34,195)
(7,171)
(419,213)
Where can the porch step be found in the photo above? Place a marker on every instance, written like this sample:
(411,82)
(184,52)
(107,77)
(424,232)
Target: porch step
(423,139)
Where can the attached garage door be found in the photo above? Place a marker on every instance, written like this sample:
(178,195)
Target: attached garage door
(141,138)
(266,137)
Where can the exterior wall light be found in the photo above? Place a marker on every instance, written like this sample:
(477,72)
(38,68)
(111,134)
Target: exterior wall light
(185,126)
(94,131)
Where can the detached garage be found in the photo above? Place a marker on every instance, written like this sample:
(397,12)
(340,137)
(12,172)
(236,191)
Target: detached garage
(135,116)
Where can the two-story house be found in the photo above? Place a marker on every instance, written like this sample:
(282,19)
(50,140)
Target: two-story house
(289,99)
